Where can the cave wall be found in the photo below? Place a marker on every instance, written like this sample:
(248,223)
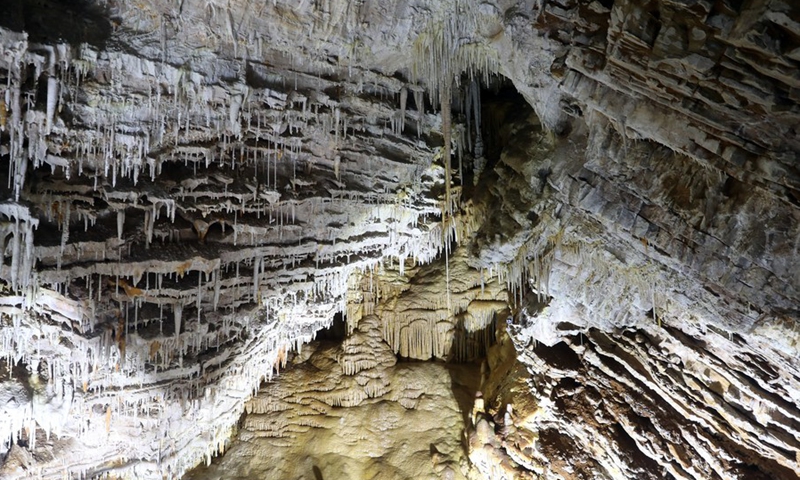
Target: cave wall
(193,188)
(661,340)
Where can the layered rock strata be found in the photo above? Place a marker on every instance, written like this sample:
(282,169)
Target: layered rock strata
(191,186)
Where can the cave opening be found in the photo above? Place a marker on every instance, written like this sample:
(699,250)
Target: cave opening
(483,110)
(335,332)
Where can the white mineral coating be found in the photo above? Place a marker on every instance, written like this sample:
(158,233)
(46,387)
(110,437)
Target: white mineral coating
(193,189)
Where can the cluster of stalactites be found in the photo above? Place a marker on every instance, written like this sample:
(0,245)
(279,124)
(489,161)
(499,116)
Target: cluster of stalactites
(424,334)
(444,51)
(16,239)
(107,362)
(418,320)
(448,48)
(586,268)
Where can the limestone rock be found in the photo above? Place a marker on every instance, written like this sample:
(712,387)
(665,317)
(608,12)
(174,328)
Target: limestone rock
(322,422)
(192,190)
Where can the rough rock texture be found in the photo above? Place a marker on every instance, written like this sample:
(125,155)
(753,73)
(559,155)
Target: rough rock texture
(178,217)
(443,310)
(194,187)
(351,411)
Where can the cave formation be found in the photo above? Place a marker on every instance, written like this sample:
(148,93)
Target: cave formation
(396,239)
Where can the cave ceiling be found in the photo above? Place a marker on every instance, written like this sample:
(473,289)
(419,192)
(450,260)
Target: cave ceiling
(600,199)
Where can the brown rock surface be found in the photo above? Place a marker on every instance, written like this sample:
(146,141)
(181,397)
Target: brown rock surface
(194,189)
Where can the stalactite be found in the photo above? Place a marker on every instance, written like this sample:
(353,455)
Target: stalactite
(120,223)
(52,102)
(181,110)
(446,132)
(177,310)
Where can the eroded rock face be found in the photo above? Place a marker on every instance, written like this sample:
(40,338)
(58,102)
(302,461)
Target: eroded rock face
(443,310)
(193,189)
(352,411)
(178,216)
